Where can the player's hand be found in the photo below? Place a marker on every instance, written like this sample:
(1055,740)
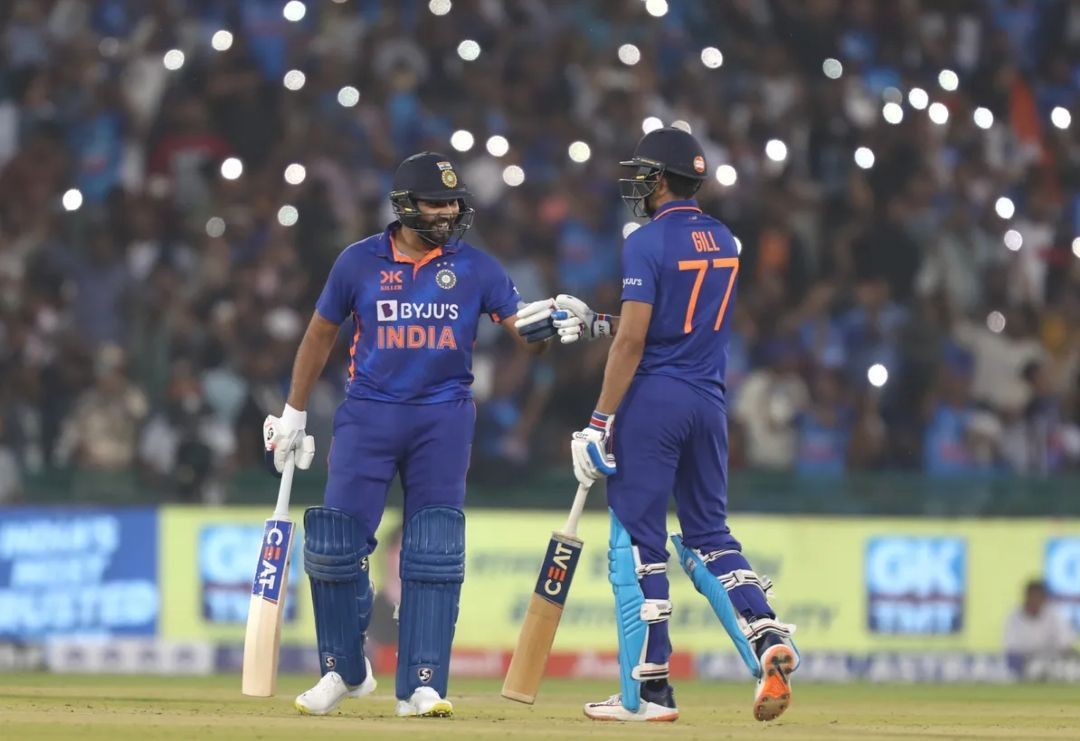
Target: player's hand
(573,319)
(589,448)
(534,321)
(284,436)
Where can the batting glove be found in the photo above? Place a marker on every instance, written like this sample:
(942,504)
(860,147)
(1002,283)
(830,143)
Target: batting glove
(534,320)
(589,448)
(284,436)
(573,319)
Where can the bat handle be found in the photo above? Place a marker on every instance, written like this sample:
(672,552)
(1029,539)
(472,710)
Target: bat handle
(576,510)
(285,488)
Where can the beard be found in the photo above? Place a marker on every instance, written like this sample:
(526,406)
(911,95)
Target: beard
(439,229)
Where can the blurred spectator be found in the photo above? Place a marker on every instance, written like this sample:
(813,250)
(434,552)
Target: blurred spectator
(768,406)
(1036,630)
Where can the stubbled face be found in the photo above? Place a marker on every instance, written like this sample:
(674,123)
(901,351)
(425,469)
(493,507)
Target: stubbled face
(439,217)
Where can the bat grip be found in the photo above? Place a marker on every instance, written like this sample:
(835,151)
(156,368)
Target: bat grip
(285,488)
(576,510)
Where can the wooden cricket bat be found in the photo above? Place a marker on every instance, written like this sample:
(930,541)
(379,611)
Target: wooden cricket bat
(262,639)
(530,658)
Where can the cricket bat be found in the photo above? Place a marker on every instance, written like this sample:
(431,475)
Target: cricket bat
(530,658)
(262,638)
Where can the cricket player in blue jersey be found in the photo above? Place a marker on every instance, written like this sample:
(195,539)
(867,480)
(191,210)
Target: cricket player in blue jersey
(415,293)
(664,384)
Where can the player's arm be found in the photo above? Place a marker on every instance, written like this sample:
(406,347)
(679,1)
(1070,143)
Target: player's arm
(315,347)
(624,355)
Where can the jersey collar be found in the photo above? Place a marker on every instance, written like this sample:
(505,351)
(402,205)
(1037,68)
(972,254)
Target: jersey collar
(667,208)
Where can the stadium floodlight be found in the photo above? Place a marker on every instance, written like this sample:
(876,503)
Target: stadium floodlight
(776,150)
(1014,240)
(712,57)
(348,96)
(948,80)
(651,123)
(878,375)
(1076,246)
(579,151)
(221,40)
(918,98)
(439,7)
(462,140)
(215,226)
(864,157)
(1060,117)
(513,176)
(287,215)
(468,50)
(72,199)
(497,146)
(995,322)
(656,8)
(892,113)
(629,55)
(726,175)
(832,68)
(294,80)
(294,11)
(1005,207)
(983,117)
(938,113)
(295,173)
(232,168)
(173,59)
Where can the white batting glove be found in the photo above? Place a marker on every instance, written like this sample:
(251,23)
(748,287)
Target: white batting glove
(534,321)
(284,436)
(573,319)
(589,448)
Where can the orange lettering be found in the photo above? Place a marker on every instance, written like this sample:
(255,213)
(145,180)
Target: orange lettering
(447,340)
(395,337)
(416,337)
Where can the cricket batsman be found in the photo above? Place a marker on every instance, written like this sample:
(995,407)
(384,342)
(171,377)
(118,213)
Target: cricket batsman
(664,384)
(415,293)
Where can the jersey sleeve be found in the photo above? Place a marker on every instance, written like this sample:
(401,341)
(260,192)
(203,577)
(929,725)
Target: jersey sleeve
(338,296)
(501,297)
(641,268)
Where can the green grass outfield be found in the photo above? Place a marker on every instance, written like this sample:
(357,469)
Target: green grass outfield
(88,708)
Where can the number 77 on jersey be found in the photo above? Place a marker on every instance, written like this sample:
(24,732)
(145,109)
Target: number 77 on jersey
(537,635)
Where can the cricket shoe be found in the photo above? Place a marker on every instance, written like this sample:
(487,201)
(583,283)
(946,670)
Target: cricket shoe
(657,704)
(424,703)
(324,697)
(773,693)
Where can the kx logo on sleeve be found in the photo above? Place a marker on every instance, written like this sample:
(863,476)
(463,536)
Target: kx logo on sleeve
(390,280)
(915,584)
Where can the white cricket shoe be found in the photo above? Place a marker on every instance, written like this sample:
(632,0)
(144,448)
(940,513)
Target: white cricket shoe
(324,697)
(612,709)
(773,694)
(424,703)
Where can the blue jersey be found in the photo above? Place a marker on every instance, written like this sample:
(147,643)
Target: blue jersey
(414,321)
(685,264)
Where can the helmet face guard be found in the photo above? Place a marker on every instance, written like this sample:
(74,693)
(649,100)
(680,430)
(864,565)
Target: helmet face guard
(635,191)
(407,210)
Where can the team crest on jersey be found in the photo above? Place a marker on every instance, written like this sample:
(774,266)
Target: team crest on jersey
(446,278)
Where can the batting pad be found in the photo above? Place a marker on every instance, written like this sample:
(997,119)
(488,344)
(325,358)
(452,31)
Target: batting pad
(335,559)
(432,570)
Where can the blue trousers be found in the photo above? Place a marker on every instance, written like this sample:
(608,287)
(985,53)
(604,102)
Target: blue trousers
(669,439)
(428,445)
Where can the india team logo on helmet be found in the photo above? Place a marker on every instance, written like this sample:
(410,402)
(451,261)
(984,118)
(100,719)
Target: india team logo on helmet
(445,278)
(449,177)
(699,164)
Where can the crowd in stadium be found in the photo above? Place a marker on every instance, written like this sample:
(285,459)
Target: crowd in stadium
(177,177)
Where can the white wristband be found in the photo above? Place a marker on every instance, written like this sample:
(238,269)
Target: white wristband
(294,418)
